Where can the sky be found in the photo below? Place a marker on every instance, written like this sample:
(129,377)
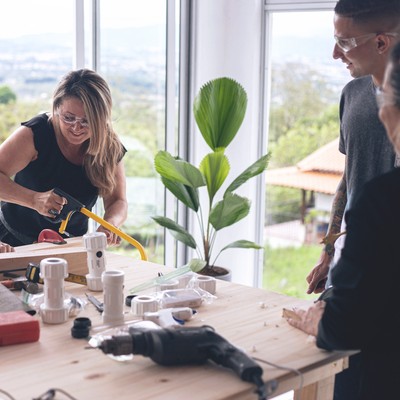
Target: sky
(35,17)
(303,23)
(44,16)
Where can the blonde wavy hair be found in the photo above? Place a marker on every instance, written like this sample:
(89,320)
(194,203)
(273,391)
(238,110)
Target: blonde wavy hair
(104,150)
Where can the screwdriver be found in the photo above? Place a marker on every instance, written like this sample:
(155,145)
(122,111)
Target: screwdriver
(99,305)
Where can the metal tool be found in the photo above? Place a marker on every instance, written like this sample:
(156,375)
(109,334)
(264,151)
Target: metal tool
(74,205)
(182,346)
(98,304)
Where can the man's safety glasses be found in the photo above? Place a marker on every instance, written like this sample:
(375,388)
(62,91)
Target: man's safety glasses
(347,44)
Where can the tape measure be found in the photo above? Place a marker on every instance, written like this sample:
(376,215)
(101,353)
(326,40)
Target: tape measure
(33,275)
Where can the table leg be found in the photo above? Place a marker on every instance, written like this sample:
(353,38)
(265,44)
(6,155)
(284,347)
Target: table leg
(321,390)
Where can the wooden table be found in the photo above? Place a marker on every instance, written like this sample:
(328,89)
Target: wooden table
(247,317)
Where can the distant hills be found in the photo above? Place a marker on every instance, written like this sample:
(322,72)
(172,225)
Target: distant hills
(138,52)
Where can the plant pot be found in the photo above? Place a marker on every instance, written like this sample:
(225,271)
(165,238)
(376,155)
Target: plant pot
(216,272)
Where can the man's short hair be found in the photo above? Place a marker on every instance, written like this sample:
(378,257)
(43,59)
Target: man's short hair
(383,13)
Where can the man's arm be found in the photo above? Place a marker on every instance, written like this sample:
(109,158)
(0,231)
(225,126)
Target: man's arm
(318,275)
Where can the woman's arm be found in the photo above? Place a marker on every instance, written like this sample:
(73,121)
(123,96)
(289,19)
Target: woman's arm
(16,152)
(115,206)
(6,248)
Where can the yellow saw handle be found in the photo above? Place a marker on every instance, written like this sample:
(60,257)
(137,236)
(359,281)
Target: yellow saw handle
(74,205)
(115,230)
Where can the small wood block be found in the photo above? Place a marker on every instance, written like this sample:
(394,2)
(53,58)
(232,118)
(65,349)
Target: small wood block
(18,327)
(286,313)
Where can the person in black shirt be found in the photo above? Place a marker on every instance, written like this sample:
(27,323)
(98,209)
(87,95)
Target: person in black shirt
(362,312)
(73,148)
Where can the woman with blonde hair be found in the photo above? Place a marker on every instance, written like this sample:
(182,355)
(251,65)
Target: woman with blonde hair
(75,149)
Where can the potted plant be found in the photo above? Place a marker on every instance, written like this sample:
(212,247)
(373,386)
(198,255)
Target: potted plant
(219,109)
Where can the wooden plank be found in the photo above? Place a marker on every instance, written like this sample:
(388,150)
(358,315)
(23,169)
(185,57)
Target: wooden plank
(73,251)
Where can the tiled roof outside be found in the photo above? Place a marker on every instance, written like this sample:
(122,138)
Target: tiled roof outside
(319,172)
(327,158)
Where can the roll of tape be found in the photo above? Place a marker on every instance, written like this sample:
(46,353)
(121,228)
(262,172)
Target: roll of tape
(207,283)
(142,304)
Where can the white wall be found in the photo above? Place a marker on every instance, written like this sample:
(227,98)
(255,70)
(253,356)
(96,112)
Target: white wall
(323,202)
(228,42)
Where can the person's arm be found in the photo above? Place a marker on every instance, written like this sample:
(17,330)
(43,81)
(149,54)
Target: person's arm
(16,152)
(318,275)
(115,207)
(308,321)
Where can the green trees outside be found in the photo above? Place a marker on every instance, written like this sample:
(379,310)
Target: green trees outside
(304,116)
(13,113)
(287,269)
(7,95)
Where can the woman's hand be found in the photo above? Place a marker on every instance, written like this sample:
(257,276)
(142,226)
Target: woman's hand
(308,320)
(112,238)
(48,203)
(6,248)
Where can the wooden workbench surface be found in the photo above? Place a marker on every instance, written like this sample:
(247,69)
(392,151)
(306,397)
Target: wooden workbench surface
(249,318)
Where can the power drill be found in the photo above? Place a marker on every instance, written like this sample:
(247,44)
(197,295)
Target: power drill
(187,345)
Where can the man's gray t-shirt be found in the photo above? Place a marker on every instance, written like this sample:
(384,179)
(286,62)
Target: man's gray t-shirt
(363,138)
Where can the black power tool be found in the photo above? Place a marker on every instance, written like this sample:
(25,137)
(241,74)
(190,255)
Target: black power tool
(192,345)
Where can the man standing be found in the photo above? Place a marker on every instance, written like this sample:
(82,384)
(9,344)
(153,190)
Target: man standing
(365,31)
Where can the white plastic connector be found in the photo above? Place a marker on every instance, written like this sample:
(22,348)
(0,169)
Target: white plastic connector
(113,286)
(53,271)
(95,244)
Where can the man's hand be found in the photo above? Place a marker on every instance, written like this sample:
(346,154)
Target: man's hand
(308,321)
(317,277)
(6,248)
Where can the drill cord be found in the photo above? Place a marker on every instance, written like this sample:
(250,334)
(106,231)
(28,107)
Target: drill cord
(264,389)
(294,370)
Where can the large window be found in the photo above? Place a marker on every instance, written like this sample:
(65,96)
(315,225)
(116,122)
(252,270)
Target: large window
(35,51)
(304,92)
(133,60)
(126,42)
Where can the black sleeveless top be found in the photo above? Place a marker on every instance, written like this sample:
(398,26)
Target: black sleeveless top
(50,170)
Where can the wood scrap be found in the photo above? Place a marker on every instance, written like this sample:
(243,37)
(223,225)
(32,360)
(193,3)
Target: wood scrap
(286,313)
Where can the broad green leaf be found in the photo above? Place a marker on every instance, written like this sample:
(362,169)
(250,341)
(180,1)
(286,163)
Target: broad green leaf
(178,170)
(196,264)
(177,231)
(255,169)
(231,209)
(186,194)
(242,244)
(219,109)
(215,168)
